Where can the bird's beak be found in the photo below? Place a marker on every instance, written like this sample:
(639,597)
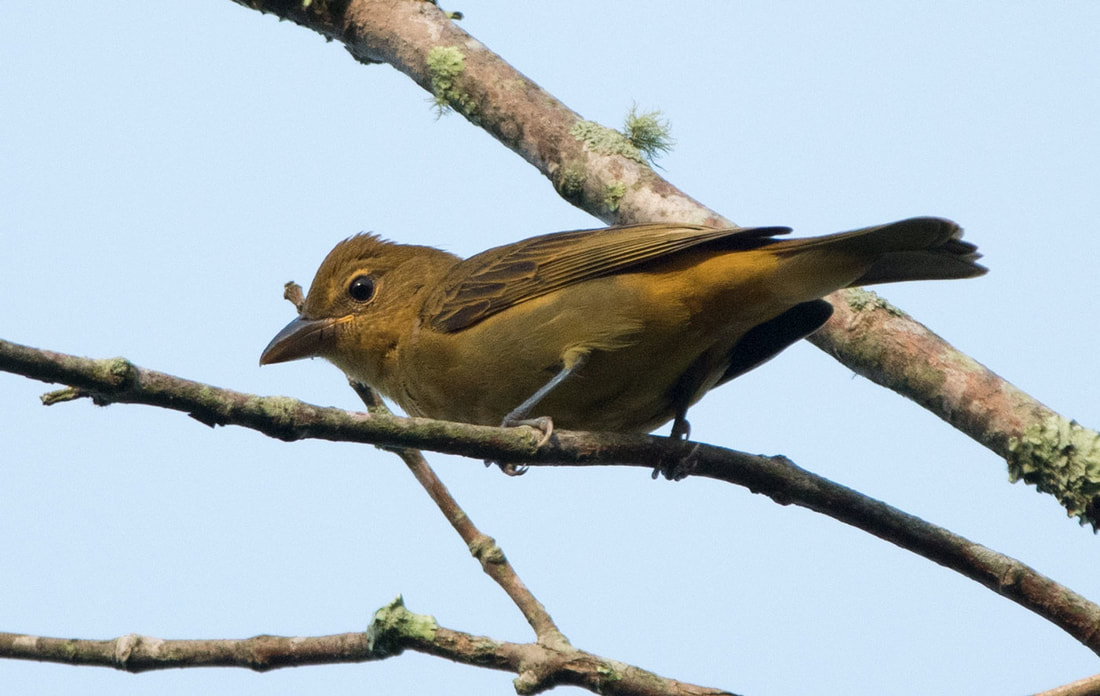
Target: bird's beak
(301,338)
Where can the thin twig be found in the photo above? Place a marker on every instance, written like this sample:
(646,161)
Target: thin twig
(482,546)
(134,653)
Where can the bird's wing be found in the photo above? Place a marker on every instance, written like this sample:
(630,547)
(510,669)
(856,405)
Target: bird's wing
(505,276)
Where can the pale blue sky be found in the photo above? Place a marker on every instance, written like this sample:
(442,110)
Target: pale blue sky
(166,167)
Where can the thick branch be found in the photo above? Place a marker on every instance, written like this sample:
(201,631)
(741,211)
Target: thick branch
(393,630)
(118,381)
(888,346)
(1041,447)
(1089,686)
(596,169)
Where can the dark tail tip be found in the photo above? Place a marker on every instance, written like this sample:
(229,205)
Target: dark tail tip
(925,248)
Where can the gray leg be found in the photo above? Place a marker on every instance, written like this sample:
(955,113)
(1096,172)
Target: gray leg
(518,415)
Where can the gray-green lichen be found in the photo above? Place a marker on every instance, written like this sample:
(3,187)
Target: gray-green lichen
(570,182)
(452,15)
(862,300)
(484,548)
(613,195)
(393,623)
(611,671)
(1062,458)
(644,138)
(648,132)
(445,66)
(282,409)
(605,141)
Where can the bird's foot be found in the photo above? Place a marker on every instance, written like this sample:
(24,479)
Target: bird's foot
(509,468)
(544,424)
(680,467)
(684,466)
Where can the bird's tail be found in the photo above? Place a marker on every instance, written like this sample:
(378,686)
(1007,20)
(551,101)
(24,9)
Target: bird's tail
(924,248)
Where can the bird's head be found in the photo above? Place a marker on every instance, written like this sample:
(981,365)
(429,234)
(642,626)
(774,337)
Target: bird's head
(365,296)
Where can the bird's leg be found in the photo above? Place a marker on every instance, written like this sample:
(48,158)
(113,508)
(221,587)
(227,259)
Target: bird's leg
(519,415)
(684,466)
(681,429)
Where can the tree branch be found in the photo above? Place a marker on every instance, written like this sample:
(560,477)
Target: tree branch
(134,653)
(1089,686)
(1043,448)
(600,171)
(118,381)
(482,546)
(393,630)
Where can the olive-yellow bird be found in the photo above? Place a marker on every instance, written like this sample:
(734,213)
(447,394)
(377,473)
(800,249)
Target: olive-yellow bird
(619,329)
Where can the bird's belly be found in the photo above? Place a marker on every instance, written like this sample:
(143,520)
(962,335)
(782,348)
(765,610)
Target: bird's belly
(636,352)
(627,389)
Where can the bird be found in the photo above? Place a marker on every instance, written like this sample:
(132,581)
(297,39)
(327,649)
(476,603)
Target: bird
(617,329)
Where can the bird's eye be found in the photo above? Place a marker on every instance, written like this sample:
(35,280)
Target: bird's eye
(361,288)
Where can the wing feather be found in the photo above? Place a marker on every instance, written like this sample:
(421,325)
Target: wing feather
(499,278)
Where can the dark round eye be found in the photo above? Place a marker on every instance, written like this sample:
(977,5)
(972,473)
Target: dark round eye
(361,288)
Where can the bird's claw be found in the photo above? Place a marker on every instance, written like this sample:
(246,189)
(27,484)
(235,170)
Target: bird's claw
(684,466)
(509,468)
(513,469)
(544,424)
(681,468)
